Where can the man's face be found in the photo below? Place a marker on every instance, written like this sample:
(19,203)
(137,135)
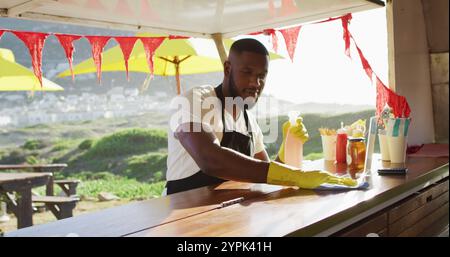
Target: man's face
(246,74)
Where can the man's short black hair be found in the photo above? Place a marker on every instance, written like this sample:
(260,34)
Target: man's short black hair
(249,45)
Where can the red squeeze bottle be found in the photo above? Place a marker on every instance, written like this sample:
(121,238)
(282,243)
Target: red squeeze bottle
(341,145)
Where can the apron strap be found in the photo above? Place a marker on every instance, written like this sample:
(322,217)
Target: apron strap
(219,95)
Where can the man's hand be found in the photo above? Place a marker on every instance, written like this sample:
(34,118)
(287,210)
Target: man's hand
(280,174)
(298,130)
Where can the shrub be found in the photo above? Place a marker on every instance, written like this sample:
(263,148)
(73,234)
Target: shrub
(61,145)
(86,144)
(129,141)
(147,167)
(33,144)
(32,159)
(14,157)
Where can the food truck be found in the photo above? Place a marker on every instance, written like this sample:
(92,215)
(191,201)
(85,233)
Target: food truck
(415,204)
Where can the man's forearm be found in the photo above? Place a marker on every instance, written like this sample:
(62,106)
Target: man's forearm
(232,165)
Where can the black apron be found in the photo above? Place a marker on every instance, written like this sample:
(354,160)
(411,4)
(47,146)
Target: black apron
(231,139)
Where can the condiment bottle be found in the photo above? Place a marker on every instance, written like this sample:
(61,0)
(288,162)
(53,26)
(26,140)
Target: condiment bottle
(341,145)
(293,150)
(357,153)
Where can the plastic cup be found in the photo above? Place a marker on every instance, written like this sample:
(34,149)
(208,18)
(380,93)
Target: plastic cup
(329,147)
(397,133)
(397,149)
(384,147)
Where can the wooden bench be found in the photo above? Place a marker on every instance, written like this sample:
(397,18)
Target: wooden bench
(62,207)
(69,186)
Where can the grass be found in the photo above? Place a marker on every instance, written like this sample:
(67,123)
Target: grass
(123,157)
(124,188)
(93,183)
(129,141)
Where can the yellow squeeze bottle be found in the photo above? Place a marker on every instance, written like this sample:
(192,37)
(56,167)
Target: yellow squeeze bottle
(293,150)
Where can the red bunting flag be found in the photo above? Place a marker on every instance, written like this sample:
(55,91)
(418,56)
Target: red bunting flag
(66,42)
(290,38)
(97,44)
(35,43)
(126,44)
(398,103)
(272,33)
(1,33)
(150,46)
(345,21)
(364,62)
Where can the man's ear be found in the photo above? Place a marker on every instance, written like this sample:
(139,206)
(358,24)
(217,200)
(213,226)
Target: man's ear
(226,68)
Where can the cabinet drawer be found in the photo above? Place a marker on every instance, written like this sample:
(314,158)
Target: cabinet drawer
(373,224)
(418,200)
(416,213)
(431,222)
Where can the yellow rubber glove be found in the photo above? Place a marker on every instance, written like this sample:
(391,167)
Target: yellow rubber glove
(280,174)
(299,130)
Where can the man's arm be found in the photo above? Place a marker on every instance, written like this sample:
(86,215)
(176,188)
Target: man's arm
(263,156)
(217,161)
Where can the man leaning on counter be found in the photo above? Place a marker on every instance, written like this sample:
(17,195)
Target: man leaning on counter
(205,151)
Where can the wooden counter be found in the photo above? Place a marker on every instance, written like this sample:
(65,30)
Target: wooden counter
(265,210)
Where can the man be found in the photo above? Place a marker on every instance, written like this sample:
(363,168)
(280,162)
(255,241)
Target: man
(205,151)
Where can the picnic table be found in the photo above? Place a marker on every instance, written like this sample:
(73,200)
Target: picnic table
(22,183)
(390,204)
(61,206)
(38,168)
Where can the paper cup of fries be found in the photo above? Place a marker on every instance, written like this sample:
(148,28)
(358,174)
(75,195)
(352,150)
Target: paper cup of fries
(328,143)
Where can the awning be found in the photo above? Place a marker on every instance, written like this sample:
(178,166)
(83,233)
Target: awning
(197,18)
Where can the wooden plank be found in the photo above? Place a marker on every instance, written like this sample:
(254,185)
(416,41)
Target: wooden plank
(411,203)
(420,226)
(265,211)
(54,199)
(437,228)
(22,184)
(38,168)
(16,181)
(129,218)
(67,181)
(24,208)
(373,224)
(424,211)
(296,212)
(31,166)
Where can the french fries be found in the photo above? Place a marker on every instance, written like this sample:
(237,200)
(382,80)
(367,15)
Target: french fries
(327,132)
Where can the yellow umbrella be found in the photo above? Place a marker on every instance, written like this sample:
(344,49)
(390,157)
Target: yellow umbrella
(172,58)
(15,77)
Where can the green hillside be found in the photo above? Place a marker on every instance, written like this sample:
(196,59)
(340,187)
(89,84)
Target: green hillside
(124,156)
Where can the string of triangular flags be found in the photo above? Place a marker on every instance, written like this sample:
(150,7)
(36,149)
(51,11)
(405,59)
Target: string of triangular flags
(385,96)
(35,43)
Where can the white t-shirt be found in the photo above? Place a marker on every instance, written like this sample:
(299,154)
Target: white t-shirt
(179,163)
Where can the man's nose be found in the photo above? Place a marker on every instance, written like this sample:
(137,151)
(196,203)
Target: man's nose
(255,82)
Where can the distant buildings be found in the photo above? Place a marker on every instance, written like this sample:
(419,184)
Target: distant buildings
(18,111)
